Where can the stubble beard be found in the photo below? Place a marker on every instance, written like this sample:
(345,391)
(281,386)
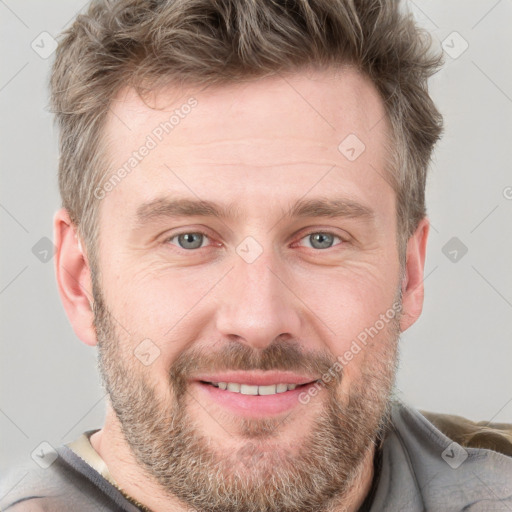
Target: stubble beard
(173,450)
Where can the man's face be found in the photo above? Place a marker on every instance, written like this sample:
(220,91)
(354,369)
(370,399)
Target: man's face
(275,292)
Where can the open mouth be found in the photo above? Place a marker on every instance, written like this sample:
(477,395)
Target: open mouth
(249,389)
(256,393)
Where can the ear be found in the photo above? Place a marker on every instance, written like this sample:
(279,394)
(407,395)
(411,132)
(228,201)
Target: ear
(73,277)
(412,284)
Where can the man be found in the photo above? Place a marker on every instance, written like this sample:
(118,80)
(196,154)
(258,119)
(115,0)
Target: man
(243,235)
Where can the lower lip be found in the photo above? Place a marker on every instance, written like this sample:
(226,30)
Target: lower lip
(254,405)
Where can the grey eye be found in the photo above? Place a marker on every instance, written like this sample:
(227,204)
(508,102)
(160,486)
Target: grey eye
(190,240)
(321,240)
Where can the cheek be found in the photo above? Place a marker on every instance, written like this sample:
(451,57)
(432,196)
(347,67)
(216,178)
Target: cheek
(358,309)
(161,311)
(350,300)
(153,300)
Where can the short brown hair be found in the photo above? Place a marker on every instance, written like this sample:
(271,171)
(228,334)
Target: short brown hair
(150,42)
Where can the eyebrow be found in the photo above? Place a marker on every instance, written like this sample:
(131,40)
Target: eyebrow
(183,207)
(327,207)
(302,208)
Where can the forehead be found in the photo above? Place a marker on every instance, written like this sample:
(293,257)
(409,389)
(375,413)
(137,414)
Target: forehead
(239,139)
(334,101)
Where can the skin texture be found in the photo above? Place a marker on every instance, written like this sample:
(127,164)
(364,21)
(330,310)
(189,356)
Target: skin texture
(260,145)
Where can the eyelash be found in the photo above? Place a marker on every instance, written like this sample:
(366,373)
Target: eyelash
(168,239)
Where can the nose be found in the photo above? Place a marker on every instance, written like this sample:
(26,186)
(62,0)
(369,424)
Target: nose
(256,303)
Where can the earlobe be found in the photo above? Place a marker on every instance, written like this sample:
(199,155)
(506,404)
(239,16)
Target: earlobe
(73,277)
(412,284)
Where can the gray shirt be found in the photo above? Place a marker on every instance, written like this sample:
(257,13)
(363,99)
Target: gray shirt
(419,469)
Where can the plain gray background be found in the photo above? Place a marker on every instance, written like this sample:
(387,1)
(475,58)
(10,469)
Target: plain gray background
(457,358)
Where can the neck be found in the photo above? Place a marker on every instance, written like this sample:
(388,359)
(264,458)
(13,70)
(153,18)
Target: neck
(361,486)
(135,482)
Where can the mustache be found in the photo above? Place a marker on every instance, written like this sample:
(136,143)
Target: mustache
(236,356)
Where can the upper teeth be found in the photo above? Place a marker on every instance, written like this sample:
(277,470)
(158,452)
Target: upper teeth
(247,389)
